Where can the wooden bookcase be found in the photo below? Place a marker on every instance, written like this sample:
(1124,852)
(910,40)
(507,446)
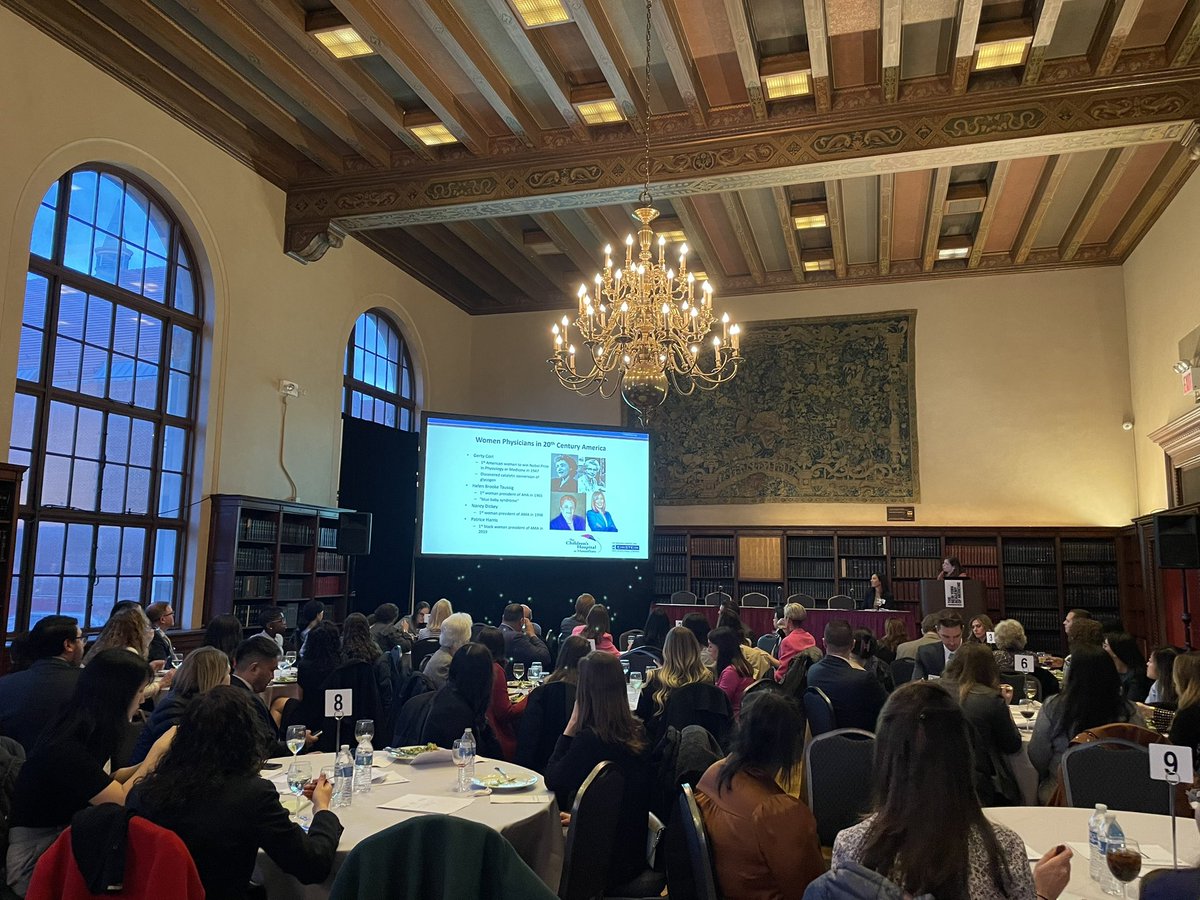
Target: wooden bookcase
(272,553)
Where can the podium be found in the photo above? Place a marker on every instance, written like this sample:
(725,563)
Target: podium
(973,597)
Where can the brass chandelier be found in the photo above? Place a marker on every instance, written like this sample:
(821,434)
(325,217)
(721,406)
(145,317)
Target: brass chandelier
(644,331)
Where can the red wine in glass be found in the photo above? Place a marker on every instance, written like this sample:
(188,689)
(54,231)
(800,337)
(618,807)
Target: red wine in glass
(1125,861)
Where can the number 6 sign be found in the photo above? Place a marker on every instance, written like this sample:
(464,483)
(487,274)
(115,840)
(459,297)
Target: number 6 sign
(1170,763)
(338,703)
(1024,663)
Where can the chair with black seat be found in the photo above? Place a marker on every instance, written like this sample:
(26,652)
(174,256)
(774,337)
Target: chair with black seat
(683,598)
(422,650)
(703,879)
(642,658)
(716,598)
(763,684)
(700,704)
(627,637)
(805,600)
(838,768)
(1113,772)
(819,711)
(842,601)
(902,671)
(755,598)
(1017,682)
(547,712)
(769,642)
(359,678)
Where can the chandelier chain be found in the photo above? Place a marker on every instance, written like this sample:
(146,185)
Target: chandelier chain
(644,198)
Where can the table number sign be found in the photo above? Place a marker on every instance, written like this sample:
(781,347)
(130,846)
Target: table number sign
(338,703)
(989,637)
(1172,763)
(1024,663)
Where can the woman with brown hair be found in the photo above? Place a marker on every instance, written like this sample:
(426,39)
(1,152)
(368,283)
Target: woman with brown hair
(202,670)
(894,634)
(602,729)
(129,629)
(597,627)
(681,666)
(1185,729)
(734,672)
(980,626)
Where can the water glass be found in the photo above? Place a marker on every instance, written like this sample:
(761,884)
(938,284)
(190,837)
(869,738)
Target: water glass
(295,739)
(299,774)
(176,659)
(364,729)
(1031,687)
(535,672)
(330,772)
(625,666)
(462,756)
(519,671)
(635,680)
(289,659)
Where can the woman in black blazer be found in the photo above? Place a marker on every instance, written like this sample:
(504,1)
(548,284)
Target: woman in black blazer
(879,595)
(207,790)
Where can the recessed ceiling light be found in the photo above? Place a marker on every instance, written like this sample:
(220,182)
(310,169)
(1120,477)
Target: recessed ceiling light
(433,135)
(954,253)
(599,112)
(343,42)
(818,265)
(788,84)
(810,215)
(536,13)
(1001,54)
(955,246)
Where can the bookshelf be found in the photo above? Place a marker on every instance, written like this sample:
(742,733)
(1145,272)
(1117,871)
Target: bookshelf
(980,559)
(1031,589)
(670,565)
(272,553)
(860,557)
(1089,574)
(712,564)
(811,566)
(913,559)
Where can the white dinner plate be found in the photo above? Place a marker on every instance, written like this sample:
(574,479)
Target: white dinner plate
(498,782)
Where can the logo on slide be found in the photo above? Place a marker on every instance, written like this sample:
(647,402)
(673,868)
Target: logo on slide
(630,548)
(585,543)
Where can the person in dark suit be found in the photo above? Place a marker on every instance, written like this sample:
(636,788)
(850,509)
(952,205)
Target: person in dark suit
(856,694)
(254,663)
(206,789)
(879,595)
(566,520)
(521,643)
(564,476)
(932,658)
(31,698)
(162,617)
(598,517)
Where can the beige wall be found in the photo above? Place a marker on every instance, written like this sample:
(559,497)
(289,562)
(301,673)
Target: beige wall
(1022,386)
(1162,305)
(269,317)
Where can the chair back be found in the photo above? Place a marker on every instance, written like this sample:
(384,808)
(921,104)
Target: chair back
(595,817)
(683,598)
(422,650)
(359,677)
(547,712)
(902,670)
(716,598)
(842,601)
(1018,682)
(704,880)
(769,643)
(1114,772)
(838,773)
(627,636)
(767,683)
(755,598)
(643,658)
(819,711)
(805,600)
(700,704)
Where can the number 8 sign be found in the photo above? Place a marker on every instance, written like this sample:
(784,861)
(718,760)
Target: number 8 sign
(338,703)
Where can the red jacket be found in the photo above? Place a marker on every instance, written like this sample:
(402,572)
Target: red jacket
(504,715)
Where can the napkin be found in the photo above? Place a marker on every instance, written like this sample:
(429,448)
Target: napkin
(521,798)
(424,803)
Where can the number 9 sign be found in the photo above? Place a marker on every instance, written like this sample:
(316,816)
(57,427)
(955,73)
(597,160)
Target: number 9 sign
(1169,762)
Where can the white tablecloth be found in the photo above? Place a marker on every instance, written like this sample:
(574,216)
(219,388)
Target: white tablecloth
(532,829)
(1044,827)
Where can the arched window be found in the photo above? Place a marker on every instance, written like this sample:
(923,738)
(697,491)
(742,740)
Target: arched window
(105,406)
(379,376)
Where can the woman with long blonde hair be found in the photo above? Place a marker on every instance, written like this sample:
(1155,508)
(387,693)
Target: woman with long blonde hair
(202,670)
(129,629)
(681,666)
(442,610)
(1185,728)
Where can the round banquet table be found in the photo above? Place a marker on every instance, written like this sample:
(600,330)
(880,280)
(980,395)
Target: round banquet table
(1044,827)
(532,828)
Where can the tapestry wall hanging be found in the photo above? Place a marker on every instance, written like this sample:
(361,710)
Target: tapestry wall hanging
(822,411)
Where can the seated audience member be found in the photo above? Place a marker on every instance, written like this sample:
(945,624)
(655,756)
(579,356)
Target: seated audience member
(583,603)
(388,631)
(1168,884)
(162,617)
(856,695)
(764,841)
(980,626)
(442,610)
(974,679)
(420,616)
(602,728)
(273,624)
(521,643)
(68,767)
(1010,640)
(734,672)
(1083,631)
(254,663)
(654,632)
(206,789)
(537,629)
(453,632)
(698,624)
(310,616)
(359,646)
(932,658)
(729,615)
(796,639)
(129,629)
(864,653)
(548,707)
(224,633)
(922,751)
(1159,669)
(879,595)
(681,666)
(1090,697)
(504,715)
(1185,727)
(952,568)
(33,696)
(929,635)
(1126,656)
(202,670)
(440,717)
(894,634)
(598,628)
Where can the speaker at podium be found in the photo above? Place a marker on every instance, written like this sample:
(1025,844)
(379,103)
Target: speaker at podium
(965,596)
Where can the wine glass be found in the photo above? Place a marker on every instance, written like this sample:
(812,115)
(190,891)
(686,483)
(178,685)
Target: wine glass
(535,672)
(1124,861)
(519,671)
(295,740)
(635,681)
(299,774)
(364,729)
(462,755)
(176,659)
(625,666)
(1025,708)
(1031,688)
(289,659)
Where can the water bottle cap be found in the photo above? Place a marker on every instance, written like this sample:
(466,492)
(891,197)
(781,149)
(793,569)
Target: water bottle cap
(1101,808)
(345,746)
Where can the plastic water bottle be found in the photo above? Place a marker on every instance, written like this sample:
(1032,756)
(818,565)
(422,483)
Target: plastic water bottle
(468,740)
(343,777)
(364,757)
(1113,834)
(1096,862)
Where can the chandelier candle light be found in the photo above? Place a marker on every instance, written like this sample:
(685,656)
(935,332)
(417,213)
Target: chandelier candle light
(645,330)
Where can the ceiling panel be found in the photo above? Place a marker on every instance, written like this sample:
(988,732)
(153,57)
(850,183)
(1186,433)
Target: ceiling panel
(1077,23)
(1023,175)
(928,10)
(925,48)
(860,215)
(850,16)
(854,58)
(1119,202)
(910,206)
(764,223)
(1153,25)
(711,42)
(1081,170)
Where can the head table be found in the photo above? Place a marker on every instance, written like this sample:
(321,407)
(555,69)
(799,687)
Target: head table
(761,619)
(532,828)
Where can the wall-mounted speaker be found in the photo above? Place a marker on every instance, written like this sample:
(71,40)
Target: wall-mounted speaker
(1177,541)
(354,533)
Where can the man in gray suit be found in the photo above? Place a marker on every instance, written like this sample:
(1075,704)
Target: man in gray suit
(908,650)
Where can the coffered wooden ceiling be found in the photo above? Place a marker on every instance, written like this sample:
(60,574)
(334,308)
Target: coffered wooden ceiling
(905,157)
